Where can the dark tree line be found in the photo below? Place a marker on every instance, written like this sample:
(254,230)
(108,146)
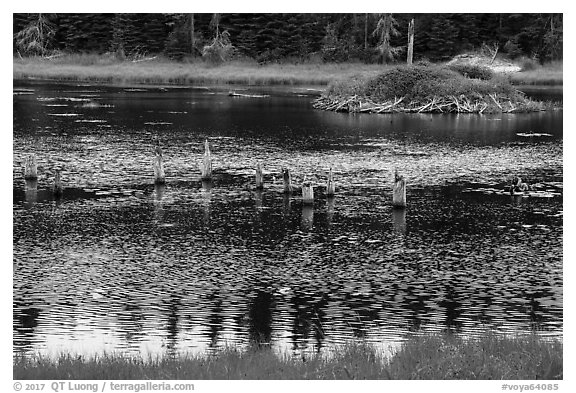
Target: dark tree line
(272,37)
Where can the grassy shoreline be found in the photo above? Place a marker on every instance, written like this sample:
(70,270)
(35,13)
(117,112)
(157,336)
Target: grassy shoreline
(103,69)
(420,357)
(165,72)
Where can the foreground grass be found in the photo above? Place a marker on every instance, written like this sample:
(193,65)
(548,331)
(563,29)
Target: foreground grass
(428,357)
(162,71)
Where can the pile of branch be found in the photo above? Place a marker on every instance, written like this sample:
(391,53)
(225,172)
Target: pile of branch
(446,104)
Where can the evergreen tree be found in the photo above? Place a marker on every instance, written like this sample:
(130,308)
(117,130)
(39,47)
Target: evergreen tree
(442,38)
(270,37)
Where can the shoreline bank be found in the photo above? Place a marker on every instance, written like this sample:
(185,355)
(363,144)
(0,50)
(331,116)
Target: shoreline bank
(171,73)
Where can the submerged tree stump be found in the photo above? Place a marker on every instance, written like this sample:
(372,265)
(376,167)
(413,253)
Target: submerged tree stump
(57,189)
(399,191)
(331,187)
(307,193)
(259,177)
(287,180)
(518,186)
(206,166)
(159,175)
(31,168)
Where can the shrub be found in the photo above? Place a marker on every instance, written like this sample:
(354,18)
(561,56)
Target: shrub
(400,81)
(527,64)
(472,71)
(512,48)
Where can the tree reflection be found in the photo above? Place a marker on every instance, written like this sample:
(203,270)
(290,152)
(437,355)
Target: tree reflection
(260,316)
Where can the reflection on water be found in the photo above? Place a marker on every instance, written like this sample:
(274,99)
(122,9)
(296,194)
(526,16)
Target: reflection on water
(31,191)
(121,264)
(307,217)
(399,221)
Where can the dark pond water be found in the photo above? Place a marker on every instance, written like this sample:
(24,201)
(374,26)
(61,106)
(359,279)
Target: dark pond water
(120,265)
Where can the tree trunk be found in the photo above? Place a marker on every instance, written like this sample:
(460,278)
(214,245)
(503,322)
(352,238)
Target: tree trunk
(41,34)
(366,32)
(192,38)
(410,42)
(495,53)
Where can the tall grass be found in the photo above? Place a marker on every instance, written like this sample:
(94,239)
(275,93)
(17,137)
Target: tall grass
(107,69)
(550,74)
(420,357)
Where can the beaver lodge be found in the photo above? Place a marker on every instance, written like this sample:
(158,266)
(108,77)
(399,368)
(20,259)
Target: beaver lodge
(426,88)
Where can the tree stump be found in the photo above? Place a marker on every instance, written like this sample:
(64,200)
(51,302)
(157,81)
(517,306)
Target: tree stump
(259,177)
(399,192)
(57,189)
(31,168)
(331,187)
(307,193)
(206,167)
(287,180)
(159,175)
